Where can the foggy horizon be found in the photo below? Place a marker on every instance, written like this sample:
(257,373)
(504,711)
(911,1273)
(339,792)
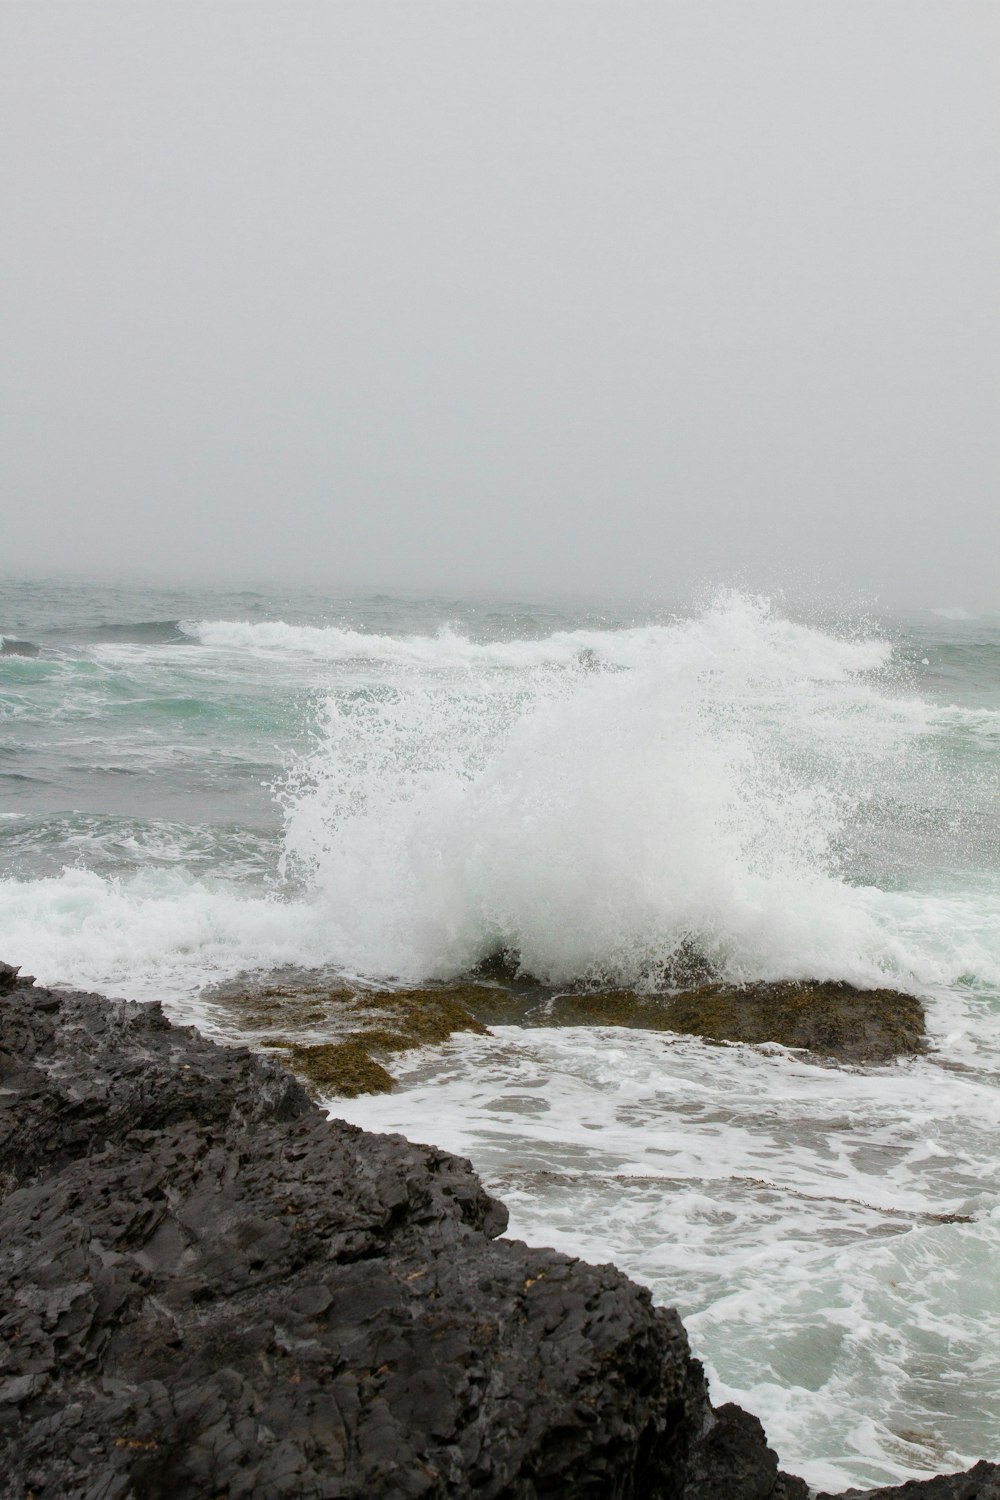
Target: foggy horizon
(618,301)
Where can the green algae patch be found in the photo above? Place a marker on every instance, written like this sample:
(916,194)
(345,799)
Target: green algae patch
(426,1015)
(831,1019)
(341,1038)
(337,1037)
(290,1006)
(345,1068)
(612,1008)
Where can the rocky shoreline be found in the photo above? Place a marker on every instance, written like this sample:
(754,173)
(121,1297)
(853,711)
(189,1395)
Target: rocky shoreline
(210,1289)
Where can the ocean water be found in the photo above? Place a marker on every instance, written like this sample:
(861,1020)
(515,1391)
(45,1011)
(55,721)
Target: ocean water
(196,785)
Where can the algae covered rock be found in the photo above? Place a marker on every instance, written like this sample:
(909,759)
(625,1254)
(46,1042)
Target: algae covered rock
(831,1020)
(344,1068)
(337,1037)
(341,1038)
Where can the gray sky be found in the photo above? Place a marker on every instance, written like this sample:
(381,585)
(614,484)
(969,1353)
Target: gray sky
(521,293)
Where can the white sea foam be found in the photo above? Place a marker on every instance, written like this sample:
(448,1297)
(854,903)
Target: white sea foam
(443,651)
(596,822)
(157,935)
(822,655)
(596,801)
(162,933)
(797,1216)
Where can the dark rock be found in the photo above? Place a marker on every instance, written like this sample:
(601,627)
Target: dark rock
(980,1483)
(734,1458)
(501,967)
(208,1289)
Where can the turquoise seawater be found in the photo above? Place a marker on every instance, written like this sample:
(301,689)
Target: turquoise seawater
(199,783)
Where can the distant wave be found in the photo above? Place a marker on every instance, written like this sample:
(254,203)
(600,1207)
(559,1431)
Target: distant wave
(447,649)
(9,646)
(809,651)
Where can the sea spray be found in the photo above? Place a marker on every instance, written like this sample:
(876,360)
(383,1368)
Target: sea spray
(776,798)
(683,787)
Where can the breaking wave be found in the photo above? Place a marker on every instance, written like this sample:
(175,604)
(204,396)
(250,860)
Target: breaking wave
(735,790)
(606,824)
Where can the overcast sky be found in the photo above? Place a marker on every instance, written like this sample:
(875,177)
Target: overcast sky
(511,294)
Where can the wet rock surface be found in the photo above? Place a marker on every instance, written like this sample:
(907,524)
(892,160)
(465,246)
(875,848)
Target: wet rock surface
(208,1289)
(339,1039)
(342,1040)
(832,1021)
(980,1483)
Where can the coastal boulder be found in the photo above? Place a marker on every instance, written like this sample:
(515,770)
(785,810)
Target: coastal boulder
(208,1288)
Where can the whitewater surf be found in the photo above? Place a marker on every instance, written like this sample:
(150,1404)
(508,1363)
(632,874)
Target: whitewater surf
(201,785)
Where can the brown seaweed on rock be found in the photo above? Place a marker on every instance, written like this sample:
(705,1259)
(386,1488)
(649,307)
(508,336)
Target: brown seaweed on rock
(338,1038)
(341,1039)
(831,1020)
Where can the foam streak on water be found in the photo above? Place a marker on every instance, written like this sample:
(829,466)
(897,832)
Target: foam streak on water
(798,1216)
(599,795)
